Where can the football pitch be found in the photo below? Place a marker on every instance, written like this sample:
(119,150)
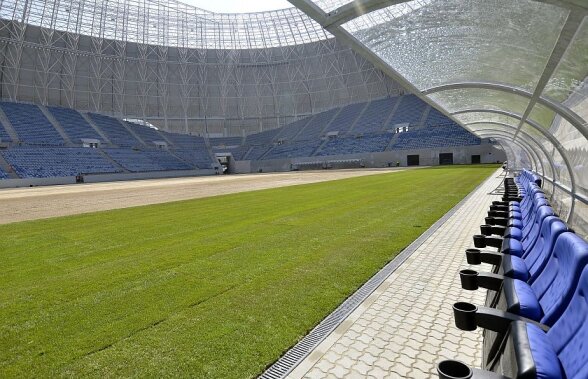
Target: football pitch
(216,287)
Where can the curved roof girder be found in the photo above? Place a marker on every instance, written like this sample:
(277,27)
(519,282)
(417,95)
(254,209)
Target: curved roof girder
(569,167)
(357,8)
(354,9)
(316,13)
(565,112)
(535,156)
(531,138)
(507,138)
(545,132)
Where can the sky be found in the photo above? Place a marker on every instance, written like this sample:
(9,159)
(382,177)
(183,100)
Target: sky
(239,6)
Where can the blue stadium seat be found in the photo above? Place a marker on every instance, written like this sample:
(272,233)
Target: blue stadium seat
(113,129)
(30,124)
(149,160)
(291,130)
(293,150)
(531,350)
(75,126)
(439,136)
(356,144)
(373,118)
(46,162)
(410,110)
(262,138)
(314,129)
(345,118)
(225,141)
(3,175)
(4,136)
(147,134)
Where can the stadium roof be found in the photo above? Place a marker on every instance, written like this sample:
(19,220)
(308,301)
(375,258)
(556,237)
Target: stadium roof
(511,70)
(167,23)
(239,6)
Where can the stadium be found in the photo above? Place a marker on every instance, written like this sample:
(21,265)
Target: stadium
(367,188)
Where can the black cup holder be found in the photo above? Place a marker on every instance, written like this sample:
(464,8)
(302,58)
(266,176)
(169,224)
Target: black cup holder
(479,241)
(465,315)
(469,279)
(473,256)
(450,369)
(486,230)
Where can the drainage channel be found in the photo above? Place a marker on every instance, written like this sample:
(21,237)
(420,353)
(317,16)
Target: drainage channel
(283,366)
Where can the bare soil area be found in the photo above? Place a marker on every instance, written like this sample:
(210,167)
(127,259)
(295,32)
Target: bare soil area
(21,204)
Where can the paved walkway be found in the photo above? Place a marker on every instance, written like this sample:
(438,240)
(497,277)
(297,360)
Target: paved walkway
(406,326)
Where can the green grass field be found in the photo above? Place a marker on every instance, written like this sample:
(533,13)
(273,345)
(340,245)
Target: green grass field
(217,287)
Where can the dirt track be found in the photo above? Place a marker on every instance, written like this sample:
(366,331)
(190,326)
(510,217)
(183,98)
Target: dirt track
(20,204)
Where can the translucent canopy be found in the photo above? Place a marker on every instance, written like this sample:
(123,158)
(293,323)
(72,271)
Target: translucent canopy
(514,71)
(167,23)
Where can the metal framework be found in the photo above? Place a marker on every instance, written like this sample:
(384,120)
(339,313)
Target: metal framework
(179,67)
(518,68)
(533,97)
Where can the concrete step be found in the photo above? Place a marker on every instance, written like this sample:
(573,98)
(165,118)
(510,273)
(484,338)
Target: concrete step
(115,163)
(5,166)
(96,128)
(8,127)
(56,125)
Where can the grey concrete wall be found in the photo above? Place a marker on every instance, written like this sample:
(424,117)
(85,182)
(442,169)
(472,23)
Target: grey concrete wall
(428,157)
(15,183)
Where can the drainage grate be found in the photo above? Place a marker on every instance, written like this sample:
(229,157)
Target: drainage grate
(296,354)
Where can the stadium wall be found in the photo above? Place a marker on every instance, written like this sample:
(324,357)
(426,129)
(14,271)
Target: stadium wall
(197,91)
(98,178)
(428,157)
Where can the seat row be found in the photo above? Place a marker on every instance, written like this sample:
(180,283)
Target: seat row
(536,310)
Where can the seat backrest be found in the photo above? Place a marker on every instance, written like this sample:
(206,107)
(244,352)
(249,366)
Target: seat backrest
(537,258)
(533,227)
(539,200)
(537,180)
(569,333)
(528,200)
(557,282)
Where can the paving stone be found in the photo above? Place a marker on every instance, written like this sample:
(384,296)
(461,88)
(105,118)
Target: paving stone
(406,326)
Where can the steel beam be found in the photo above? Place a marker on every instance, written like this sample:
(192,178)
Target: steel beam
(565,112)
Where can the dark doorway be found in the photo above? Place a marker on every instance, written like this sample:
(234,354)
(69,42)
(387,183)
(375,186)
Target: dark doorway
(475,159)
(445,158)
(412,160)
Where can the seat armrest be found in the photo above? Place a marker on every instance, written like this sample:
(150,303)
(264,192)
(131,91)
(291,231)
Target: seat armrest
(471,280)
(503,221)
(489,230)
(476,257)
(470,317)
(481,241)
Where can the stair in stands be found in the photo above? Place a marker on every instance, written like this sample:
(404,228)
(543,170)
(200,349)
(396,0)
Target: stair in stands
(115,163)
(392,142)
(8,127)
(130,130)
(56,125)
(183,160)
(424,116)
(4,166)
(358,117)
(305,120)
(96,128)
(209,150)
(247,153)
(386,123)
(314,153)
(165,138)
(266,152)
(326,127)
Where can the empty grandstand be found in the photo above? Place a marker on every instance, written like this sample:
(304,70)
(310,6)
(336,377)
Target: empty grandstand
(334,254)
